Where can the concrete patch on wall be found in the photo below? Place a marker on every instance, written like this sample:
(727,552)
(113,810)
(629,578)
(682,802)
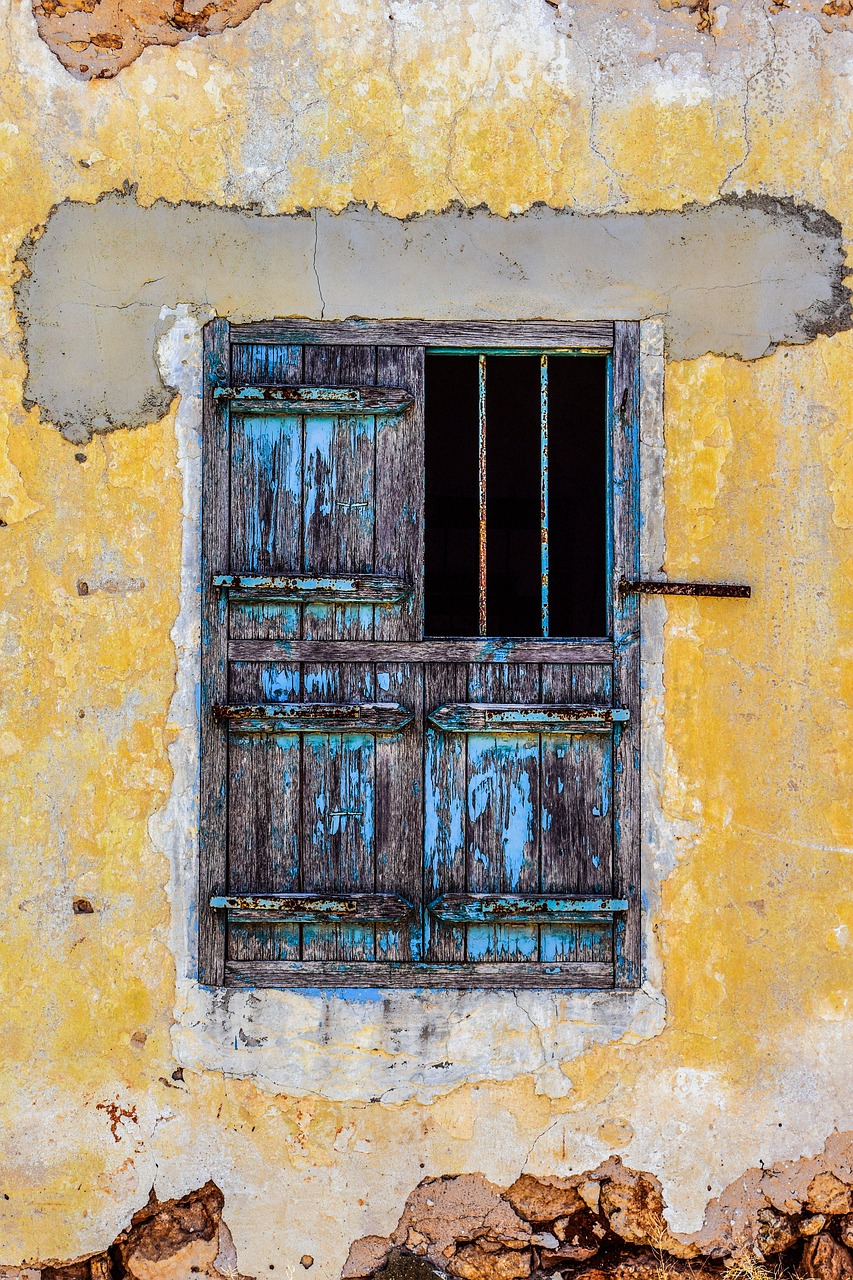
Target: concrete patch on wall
(736,277)
(385,1045)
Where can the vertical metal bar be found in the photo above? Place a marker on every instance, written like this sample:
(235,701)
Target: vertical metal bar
(543,493)
(481,447)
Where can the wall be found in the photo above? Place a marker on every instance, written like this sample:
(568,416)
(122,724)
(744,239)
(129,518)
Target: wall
(736,1055)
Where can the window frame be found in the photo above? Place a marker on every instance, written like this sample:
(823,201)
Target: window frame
(621,340)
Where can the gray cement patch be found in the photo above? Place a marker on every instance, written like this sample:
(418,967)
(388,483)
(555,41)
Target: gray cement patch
(736,278)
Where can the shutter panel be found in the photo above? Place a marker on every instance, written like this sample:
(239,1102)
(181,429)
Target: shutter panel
(331,496)
(379,809)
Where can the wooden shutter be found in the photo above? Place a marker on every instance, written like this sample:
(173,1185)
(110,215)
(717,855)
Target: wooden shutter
(379,809)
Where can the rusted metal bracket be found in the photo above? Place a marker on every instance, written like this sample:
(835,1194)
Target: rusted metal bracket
(646,587)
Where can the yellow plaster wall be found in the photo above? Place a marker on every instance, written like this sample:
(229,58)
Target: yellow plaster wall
(504,103)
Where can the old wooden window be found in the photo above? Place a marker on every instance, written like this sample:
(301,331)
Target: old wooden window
(386,803)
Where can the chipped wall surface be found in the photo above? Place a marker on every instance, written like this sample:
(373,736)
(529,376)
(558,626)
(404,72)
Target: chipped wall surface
(728,1076)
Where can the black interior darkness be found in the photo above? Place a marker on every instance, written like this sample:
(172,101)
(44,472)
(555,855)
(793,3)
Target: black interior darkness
(577,429)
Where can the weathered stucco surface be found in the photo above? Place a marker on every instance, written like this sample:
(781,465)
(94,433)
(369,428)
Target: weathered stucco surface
(116,1077)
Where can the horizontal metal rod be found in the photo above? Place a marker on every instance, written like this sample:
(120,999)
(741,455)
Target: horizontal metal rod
(580,651)
(310,908)
(297,588)
(550,718)
(315,717)
(644,587)
(475,908)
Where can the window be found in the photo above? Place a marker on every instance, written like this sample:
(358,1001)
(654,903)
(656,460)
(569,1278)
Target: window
(420,692)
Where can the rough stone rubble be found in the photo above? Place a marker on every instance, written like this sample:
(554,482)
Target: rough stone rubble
(792,1219)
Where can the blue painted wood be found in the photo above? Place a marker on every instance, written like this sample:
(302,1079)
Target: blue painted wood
(444,862)
(502,814)
(307,908)
(317,401)
(315,717)
(298,588)
(472,717)
(470,908)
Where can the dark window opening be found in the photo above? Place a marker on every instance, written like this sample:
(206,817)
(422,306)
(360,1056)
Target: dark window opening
(509,404)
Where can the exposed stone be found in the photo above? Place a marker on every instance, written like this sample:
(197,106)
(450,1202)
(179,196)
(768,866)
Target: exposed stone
(402,1266)
(826,1259)
(776,1231)
(170,1239)
(828,1194)
(846,1226)
(812,1226)
(366,1255)
(643,1266)
(567,1253)
(71,1271)
(447,1211)
(94,39)
(590,1193)
(478,1262)
(544,1200)
(633,1205)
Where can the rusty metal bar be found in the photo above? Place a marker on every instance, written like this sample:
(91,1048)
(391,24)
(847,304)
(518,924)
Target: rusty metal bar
(481,451)
(733,590)
(543,492)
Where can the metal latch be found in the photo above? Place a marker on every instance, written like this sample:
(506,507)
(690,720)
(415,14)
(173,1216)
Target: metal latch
(646,587)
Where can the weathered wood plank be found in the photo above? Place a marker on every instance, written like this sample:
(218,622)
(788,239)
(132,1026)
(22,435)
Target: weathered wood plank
(263,839)
(441,651)
(625,431)
(382,974)
(554,718)
(315,717)
(594,335)
(266,506)
(298,588)
(502,813)
(322,401)
(310,908)
(339,490)
(262,364)
(215,542)
(469,908)
(400,493)
(577,818)
(444,812)
(339,816)
(399,811)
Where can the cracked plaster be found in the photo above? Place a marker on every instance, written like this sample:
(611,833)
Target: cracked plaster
(596,108)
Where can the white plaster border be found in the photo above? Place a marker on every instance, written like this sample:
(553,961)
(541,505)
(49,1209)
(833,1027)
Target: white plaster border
(391,1046)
